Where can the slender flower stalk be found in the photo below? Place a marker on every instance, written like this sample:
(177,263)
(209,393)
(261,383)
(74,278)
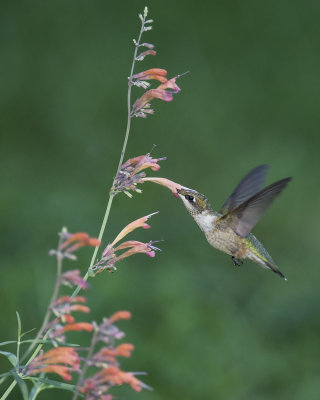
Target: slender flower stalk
(53,299)
(137,44)
(85,366)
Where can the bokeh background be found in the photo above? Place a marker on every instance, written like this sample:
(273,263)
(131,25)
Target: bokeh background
(202,328)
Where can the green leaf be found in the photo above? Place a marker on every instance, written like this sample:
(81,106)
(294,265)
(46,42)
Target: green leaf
(8,342)
(11,357)
(42,341)
(51,384)
(19,325)
(22,385)
(25,333)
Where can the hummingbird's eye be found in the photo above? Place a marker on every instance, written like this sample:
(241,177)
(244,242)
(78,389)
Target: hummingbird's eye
(189,198)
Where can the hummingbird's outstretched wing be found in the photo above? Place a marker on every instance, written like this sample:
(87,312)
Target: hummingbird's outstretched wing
(249,186)
(244,217)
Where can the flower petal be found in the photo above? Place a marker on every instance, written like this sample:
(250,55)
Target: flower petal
(142,55)
(154,73)
(149,95)
(138,223)
(79,326)
(170,84)
(173,186)
(119,315)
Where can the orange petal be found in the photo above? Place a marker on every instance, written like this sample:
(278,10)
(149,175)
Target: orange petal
(56,369)
(170,84)
(79,326)
(149,95)
(138,223)
(173,186)
(124,349)
(119,315)
(151,72)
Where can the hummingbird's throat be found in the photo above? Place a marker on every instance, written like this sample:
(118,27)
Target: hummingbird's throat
(205,221)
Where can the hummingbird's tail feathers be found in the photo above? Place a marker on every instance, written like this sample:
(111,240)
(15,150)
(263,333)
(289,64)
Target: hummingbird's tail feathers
(275,269)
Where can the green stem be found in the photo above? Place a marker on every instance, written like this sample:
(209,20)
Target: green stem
(35,391)
(85,367)
(8,391)
(102,229)
(49,312)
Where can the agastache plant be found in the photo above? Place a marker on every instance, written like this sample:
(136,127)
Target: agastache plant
(50,352)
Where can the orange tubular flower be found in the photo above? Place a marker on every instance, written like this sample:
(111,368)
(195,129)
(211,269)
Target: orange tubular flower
(49,362)
(64,322)
(81,239)
(119,315)
(114,376)
(77,307)
(61,370)
(141,107)
(138,223)
(170,84)
(136,247)
(109,256)
(143,101)
(73,277)
(78,326)
(68,299)
(142,55)
(124,350)
(154,73)
(108,355)
(173,186)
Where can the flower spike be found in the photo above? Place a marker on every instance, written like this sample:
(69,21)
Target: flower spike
(132,172)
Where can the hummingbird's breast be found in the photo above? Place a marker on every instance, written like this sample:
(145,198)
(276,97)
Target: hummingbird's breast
(222,237)
(227,241)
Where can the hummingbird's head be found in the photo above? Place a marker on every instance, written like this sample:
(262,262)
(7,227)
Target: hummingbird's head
(196,203)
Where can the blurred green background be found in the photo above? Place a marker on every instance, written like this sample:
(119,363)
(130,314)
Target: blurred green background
(202,328)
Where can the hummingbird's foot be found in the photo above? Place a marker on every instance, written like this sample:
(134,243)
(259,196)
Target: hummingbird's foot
(236,261)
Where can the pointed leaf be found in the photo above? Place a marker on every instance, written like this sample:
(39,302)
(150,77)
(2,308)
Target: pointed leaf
(22,385)
(8,342)
(43,341)
(11,357)
(25,333)
(52,384)
(19,325)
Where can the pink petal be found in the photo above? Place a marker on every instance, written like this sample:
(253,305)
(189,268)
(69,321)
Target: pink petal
(173,186)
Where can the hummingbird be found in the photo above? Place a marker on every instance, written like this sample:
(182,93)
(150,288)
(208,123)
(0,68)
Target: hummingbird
(229,230)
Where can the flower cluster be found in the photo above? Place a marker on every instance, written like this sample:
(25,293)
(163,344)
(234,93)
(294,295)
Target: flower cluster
(110,257)
(132,172)
(73,278)
(71,242)
(51,362)
(64,321)
(164,91)
(105,359)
